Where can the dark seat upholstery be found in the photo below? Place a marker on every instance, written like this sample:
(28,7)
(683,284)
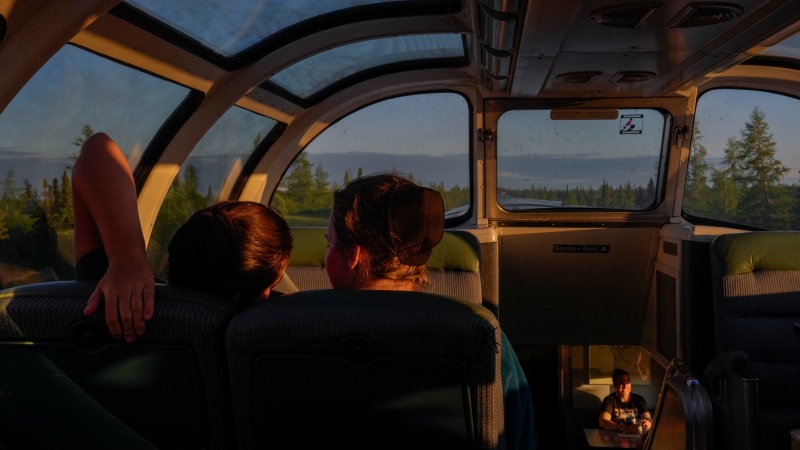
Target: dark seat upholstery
(366,369)
(754,380)
(684,415)
(65,383)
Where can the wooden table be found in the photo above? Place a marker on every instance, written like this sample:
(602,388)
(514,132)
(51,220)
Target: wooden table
(606,438)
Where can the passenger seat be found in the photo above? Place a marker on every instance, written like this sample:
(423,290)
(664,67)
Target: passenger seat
(453,268)
(67,384)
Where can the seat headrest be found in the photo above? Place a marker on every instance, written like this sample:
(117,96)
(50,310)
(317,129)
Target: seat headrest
(458,250)
(736,254)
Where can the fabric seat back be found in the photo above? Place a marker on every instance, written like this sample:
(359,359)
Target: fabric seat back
(366,369)
(753,380)
(757,309)
(453,268)
(68,384)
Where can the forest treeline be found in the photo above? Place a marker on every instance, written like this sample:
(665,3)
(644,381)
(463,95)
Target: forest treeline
(36,225)
(745,187)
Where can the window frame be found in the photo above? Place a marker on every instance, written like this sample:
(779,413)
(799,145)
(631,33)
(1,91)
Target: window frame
(674,110)
(452,222)
(766,85)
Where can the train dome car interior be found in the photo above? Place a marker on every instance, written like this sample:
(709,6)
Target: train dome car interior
(604,164)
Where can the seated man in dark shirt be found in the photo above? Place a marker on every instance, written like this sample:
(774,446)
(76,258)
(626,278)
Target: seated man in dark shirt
(623,410)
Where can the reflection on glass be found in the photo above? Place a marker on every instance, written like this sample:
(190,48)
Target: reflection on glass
(211,170)
(744,163)
(229,27)
(578,163)
(73,95)
(313,74)
(423,137)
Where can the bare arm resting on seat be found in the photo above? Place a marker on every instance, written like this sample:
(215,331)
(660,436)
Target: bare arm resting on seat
(107,218)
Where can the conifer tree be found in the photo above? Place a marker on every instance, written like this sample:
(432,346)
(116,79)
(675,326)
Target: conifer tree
(299,185)
(765,203)
(697,191)
(728,182)
(322,194)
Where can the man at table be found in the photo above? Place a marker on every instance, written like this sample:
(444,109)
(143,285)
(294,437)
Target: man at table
(618,410)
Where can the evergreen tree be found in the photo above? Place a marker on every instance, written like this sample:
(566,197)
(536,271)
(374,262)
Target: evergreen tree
(794,224)
(63,216)
(86,132)
(15,221)
(765,203)
(322,193)
(256,141)
(182,200)
(360,173)
(605,195)
(191,190)
(728,182)
(697,191)
(3,226)
(347,176)
(299,185)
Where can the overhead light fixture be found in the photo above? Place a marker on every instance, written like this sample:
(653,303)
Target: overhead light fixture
(497,28)
(703,14)
(632,77)
(626,16)
(578,77)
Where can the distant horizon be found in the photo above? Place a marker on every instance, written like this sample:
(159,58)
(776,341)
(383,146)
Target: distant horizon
(550,171)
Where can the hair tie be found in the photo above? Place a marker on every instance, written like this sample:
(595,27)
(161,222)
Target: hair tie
(415,219)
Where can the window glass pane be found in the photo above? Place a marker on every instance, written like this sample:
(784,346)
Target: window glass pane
(544,161)
(319,71)
(788,48)
(229,27)
(423,137)
(211,170)
(744,161)
(73,95)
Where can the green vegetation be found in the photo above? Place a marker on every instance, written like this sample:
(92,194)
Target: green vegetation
(304,195)
(747,187)
(31,226)
(624,196)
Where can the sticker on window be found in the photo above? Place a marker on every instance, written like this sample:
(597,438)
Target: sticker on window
(630,124)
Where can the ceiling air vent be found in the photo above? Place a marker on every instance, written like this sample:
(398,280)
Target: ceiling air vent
(578,77)
(632,77)
(625,17)
(702,14)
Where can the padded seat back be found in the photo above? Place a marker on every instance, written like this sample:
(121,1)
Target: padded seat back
(756,283)
(453,268)
(366,369)
(755,377)
(68,384)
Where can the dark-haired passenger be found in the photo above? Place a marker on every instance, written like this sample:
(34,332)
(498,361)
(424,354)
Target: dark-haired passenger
(380,235)
(236,250)
(623,410)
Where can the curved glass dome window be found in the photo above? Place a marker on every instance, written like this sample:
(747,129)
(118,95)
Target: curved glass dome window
(229,28)
(314,74)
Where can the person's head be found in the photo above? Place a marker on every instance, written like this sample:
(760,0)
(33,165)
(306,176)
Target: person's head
(235,249)
(622,383)
(381,232)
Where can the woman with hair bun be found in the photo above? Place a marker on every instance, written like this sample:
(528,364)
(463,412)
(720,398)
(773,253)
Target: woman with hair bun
(380,234)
